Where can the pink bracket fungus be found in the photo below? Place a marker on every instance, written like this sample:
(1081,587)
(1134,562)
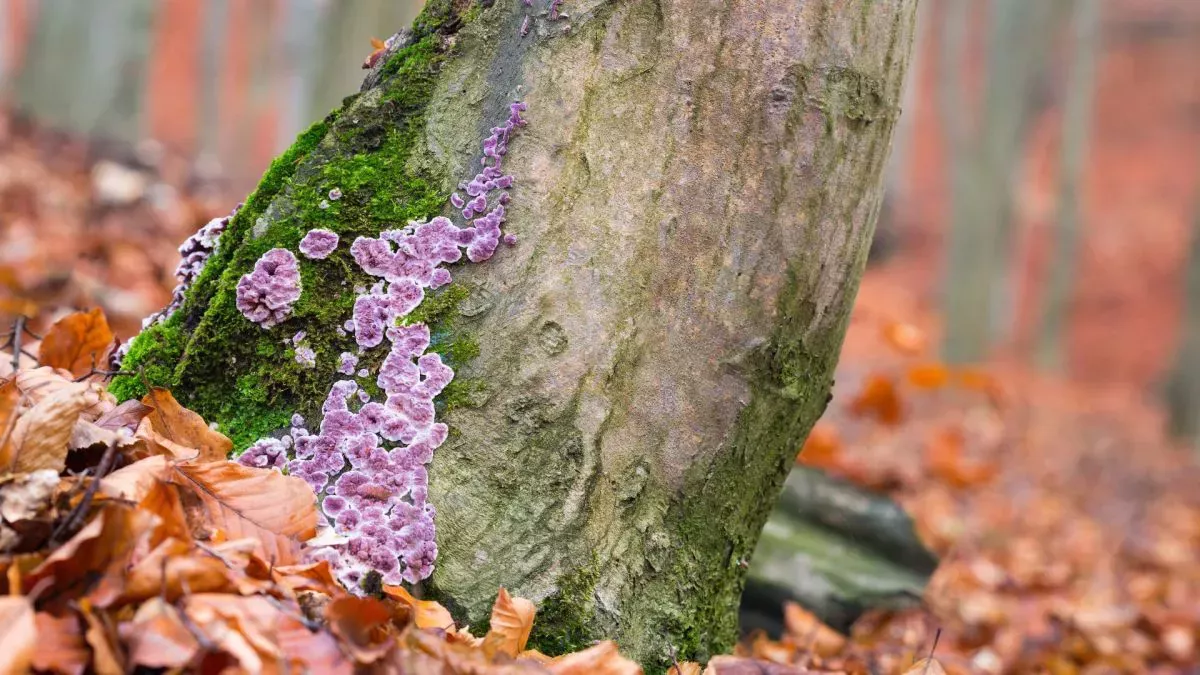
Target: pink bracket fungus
(266,295)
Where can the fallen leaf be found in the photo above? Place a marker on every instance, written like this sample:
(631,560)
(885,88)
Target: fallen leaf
(25,509)
(10,398)
(158,638)
(127,415)
(684,668)
(61,647)
(926,666)
(362,624)
(18,634)
(944,460)
(184,427)
(101,636)
(316,576)
(41,437)
(512,620)
(132,482)
(822,448)
(878,399)
(426,613)
(277,511)
(808,631)
(929,375)
(599,659)
(905,337)
(78,343)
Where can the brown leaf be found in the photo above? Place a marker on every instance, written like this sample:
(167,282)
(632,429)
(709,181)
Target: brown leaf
(808,631)
(184,427)
(599,659)
(61,648)
(316,576)
(733,665)
(99,551)
(158,638)
(185,569)
(512,619)
(878,399)
(277,511)
(77,343)
(926,666)
(243,627)
(426,613)
(905,337)
(25,511)
(10,398)
(101,636)
(18,634)
(42,435)
(684,668)
(134,481)
(312,652)
(362,624)
(127,416)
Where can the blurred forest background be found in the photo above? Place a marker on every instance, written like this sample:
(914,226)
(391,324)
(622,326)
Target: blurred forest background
(1022,370)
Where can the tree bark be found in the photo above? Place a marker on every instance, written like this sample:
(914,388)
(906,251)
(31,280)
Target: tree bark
(696,193)
(1076,134)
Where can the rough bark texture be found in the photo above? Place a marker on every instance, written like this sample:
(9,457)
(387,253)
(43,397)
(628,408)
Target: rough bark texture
(697,190)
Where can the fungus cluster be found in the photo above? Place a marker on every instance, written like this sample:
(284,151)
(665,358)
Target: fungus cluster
(367,460)
(266,295)
(194,253)
(318,244)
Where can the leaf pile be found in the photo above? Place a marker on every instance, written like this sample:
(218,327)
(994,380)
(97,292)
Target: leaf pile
(128,541)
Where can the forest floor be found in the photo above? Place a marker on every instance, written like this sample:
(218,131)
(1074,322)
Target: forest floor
(1068,526)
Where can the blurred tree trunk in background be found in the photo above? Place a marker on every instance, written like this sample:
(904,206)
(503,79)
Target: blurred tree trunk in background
(1076,134)
(300,57)
(212,65)
(347,30)
(1183,384)
(37,83)
(696,193)
(263,53)
(983,162)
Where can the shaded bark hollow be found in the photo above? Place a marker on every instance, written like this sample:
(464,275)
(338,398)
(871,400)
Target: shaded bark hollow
(696,193)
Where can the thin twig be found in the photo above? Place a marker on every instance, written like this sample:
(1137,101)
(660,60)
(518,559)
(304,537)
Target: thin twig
(77,513)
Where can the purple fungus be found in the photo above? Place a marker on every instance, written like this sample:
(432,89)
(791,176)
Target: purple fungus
(346,364)
(456,200)
(318,244)
(335,194)
(266,295)
(525,24)
(306,357)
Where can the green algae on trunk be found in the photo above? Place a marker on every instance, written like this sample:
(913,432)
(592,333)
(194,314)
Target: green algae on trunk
(698,189)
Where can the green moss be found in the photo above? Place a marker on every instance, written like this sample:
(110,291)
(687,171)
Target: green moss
(245,378)
(563,619)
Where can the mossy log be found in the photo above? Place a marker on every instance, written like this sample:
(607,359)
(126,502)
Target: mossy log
(697,189)
(836,549)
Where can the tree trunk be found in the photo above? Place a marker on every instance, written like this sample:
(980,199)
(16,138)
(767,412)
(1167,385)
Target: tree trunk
(1183,384)
(984,164)
(1076,134)
(696,192)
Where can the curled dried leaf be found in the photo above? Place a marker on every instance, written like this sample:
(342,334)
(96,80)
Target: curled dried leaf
(599,659)
(158,638)
(41,437)
(512,620)
(18,634)
(185,428)
(61,647)
(426,613)
(77,343)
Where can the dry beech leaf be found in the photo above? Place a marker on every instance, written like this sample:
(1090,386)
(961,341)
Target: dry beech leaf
(241,626)
(512,619)
(41,437)
(18,634)
(316,576)
(905,337)
(127,415)
(184,427)
(808,631)
(362,625)
(926,666)
(61,647)
(10,398)
(158,638)
(878,399)
(134,481)
(929,375)
(101,636)
(186,572)
(43,382)
(77,343)
(277,511)
(426,613)
(684,668)
(313,652)
(599,659)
